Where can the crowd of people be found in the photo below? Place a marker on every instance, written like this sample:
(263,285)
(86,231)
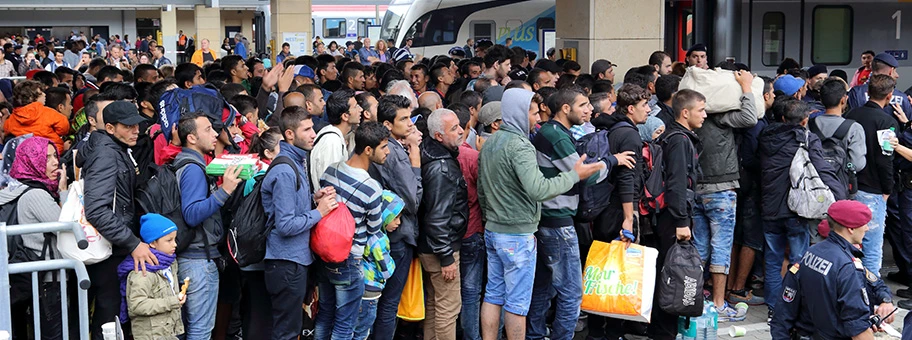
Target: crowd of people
(467,162)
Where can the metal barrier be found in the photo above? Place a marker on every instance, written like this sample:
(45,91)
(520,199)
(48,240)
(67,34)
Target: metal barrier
(82,277)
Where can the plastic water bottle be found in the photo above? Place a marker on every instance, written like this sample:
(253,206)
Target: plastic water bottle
(888,135)
(712,323)
(687,328)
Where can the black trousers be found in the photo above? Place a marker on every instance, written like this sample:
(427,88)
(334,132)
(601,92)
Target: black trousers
(664,326)
(286,283)
(105,291)
(256,306)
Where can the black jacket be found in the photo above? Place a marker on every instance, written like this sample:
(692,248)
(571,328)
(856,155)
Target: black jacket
(667,114)
(628,183)
(681,149)
(778,144)
(444,211)
(107,167)
(877,175)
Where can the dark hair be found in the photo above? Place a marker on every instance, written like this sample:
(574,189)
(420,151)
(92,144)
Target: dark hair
(350,70)
(230,90)
(244,103)
(595,99)
(657,57)
(362,99)
(127,76)
(878,66)
(265,141)
(841,74)
(389,77)
(337,105)
(437,70)
(62,70)
(292,117)
(565,80)
(648,71)
(881,86)
(637,79)
(571,65)
(369,134)
(422,68)
(98,62)
(586,81)
(107,72)
(55,96)
(230,62)
(186,72)
(666,86)
(546,92)
(400,65)
(420,114)
(787,65)
(462,113)
(496,54)
(323,62)
(564,96)
(45,77)
(310,61)
(516,84)
(630,94)
(471,98)
(252,62)
(217,78)
(795,111)
(116,91)
(389,105)
(186,126)
(156,90)
(142,69)
(869,52)
(534,76)
(310,92)
(519,55)
(465,66)
(684,99)
(482,85)
(602,86)
(767,84)
(831,92)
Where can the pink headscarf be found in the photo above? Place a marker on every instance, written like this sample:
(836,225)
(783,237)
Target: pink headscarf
(31,162)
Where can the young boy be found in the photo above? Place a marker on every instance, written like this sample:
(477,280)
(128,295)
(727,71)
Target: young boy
(153,299)
(378,265)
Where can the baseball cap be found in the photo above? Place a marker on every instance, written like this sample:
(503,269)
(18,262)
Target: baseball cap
(304,71)
(850,214)
(123,112)
(490,113)
(888,59)
(788,84)
(457,51)
(600,66)
(548,65)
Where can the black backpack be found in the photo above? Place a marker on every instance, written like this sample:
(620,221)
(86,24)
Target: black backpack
(247,226)
(836,153)
(593,196)
(21,284)
(161,195)
(681,281)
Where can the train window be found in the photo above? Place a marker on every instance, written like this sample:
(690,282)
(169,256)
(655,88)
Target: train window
(773,38)
(334,28)
(832,35)
(687,38)
(362,25)
(483,30)
(438,27)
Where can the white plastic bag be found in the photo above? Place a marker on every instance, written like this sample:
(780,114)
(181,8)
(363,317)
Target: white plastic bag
(722,91)
(74,211)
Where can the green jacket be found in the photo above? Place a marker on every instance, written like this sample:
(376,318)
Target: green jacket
(153,306)
(510,185)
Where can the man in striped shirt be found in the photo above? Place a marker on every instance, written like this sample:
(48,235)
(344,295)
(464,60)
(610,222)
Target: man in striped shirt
(342,284)
(556,236)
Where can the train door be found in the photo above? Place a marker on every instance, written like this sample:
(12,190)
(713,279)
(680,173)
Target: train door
(776,33)
(681,37)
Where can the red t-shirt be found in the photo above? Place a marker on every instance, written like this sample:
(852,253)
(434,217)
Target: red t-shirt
(468,161)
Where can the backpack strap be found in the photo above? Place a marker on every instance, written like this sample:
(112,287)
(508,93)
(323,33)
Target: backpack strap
(812,125)
(843,129)
(287,161)
(619,125)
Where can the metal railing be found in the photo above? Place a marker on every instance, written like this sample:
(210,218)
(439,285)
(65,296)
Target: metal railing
(7,269)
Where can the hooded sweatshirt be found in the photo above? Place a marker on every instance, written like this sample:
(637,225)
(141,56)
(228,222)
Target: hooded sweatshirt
(510,185)
(40,120)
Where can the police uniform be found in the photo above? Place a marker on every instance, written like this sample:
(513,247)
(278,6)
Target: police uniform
(829,294)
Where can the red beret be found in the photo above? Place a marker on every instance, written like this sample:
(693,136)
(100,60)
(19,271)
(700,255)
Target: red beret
(824,228)
(850,214)
(31,74)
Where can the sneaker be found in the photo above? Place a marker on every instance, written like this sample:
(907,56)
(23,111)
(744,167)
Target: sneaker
(904,304)
(729,314)
(904,293)
(747,297)
(769,317)
(756,282)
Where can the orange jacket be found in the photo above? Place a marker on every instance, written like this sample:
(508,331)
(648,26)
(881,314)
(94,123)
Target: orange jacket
(198,57)
(39,120)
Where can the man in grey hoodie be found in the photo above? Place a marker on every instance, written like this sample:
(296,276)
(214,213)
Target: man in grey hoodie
(510,189)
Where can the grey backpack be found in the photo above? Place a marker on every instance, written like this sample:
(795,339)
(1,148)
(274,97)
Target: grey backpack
(808,196)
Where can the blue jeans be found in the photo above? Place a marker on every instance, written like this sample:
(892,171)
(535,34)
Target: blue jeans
(341,290)
(388,306)
(872,244)
(367,313)
(471,271)
(782,234)
(714,228)
(202,296)
(558,273)
(511,266)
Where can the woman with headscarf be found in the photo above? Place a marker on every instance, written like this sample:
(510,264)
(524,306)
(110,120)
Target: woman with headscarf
(652,129)
(37,183)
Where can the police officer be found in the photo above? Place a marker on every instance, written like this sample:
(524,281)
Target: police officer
(829,294)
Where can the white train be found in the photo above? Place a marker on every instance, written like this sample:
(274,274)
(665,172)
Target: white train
(341,23)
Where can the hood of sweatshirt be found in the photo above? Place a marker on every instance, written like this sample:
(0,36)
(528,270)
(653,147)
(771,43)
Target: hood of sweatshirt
(515,106)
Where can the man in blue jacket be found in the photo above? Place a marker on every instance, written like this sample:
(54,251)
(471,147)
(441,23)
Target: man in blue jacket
(289,211)
(201,204)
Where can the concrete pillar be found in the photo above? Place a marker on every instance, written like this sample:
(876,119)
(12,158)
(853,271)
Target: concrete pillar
(624,32)
(208,26)
(169,32)
(290,21)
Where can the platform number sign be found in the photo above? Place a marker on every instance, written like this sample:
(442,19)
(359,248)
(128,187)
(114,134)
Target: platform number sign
(898,17)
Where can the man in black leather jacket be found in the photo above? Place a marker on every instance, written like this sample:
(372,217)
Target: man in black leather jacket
(444,215)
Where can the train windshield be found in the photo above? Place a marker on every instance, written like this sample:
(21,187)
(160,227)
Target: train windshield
(392,21)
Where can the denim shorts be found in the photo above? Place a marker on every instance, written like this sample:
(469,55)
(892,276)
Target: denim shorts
(714,228)
(511,269)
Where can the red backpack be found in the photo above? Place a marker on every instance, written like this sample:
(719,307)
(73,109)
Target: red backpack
(653,199)
(331,239)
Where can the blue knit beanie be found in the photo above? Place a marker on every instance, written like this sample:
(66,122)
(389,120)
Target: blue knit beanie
(155,226)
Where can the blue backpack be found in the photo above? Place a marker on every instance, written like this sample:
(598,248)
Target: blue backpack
(200,98)
(593,195)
